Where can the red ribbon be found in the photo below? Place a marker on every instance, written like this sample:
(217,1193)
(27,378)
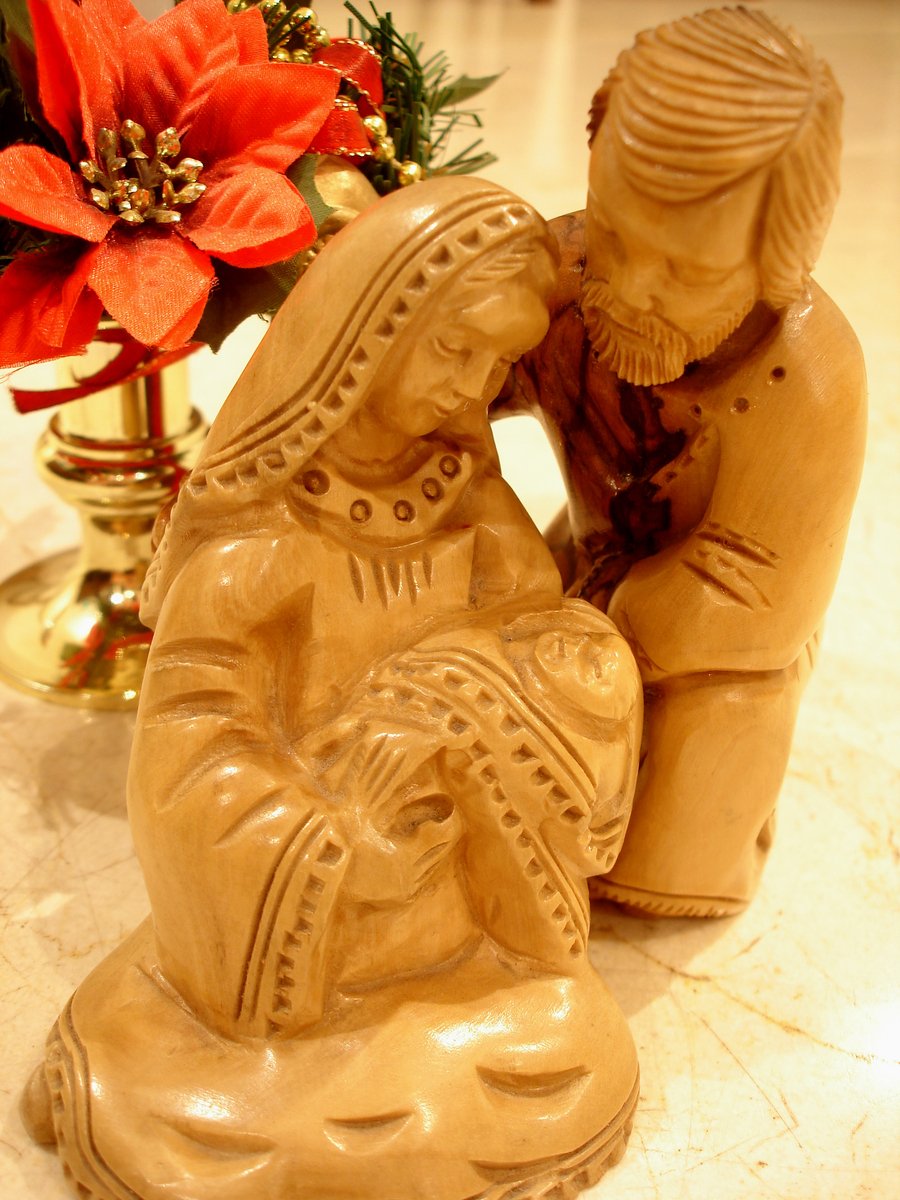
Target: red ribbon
(344,132)
(133,361)
(358,63)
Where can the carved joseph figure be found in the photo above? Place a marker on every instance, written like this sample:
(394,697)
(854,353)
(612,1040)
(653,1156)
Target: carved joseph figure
(377,755)
(707,404)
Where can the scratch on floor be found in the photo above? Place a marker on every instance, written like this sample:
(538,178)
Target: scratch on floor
(859,1124)
(752,1142)
(609,931)
(784,1101)
(746,949)
(771,1191)
(774,1107)
(784,1026)
(653,1179)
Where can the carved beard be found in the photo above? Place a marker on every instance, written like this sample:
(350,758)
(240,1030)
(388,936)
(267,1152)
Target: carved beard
(642,347)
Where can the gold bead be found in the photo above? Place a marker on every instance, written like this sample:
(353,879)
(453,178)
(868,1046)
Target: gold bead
(409,172)
(385,151)
(304,16)
(301,56)
(323,41)
(282,55)
(377,126)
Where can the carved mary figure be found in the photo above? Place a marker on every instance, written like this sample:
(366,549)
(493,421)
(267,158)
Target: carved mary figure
(348,501)
(377,754)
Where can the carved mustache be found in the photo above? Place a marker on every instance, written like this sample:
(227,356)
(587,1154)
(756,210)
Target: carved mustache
(647,326)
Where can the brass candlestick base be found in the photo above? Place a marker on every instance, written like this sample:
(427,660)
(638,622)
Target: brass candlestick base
(69,625)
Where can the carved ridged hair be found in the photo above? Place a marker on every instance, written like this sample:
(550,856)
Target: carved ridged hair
(698,104)
(321,356)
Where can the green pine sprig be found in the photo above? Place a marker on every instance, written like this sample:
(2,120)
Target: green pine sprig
(421,100)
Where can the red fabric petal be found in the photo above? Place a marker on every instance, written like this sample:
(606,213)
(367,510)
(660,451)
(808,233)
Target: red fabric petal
(149,281)
(249,30)
(250,219)
(182,332)
(41,190)
(172,64)
(59,83)
(113,19)
(263,116)
(79,52)
(46,310)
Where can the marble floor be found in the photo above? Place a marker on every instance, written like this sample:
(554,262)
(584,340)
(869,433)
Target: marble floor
(769,1042)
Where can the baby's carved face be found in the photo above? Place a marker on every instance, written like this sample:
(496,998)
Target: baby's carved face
(593,671)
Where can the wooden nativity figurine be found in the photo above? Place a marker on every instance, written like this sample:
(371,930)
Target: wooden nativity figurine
(706,401)
(378,753)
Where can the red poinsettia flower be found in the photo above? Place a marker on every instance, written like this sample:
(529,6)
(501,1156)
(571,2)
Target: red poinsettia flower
(178,133)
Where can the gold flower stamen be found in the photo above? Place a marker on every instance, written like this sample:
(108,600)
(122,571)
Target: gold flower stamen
(139,188)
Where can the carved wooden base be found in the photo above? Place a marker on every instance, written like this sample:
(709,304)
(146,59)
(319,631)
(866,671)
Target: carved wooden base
(475,1083)
(575,1172)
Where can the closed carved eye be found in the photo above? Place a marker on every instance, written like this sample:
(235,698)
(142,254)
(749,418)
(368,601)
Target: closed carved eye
(449,348)
(365,1135)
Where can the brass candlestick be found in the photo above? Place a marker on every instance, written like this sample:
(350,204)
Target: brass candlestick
(69,625)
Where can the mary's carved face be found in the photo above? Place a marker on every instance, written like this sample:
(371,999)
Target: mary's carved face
(459,351)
